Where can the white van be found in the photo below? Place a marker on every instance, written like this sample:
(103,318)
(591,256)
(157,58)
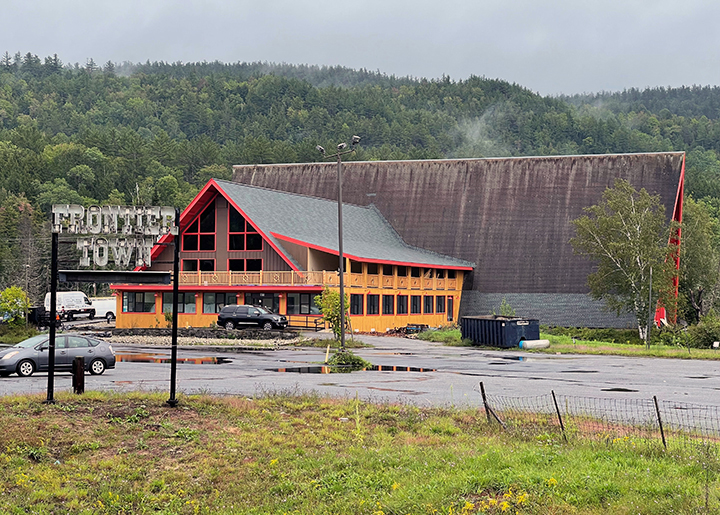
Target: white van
(104,307)
(69,304)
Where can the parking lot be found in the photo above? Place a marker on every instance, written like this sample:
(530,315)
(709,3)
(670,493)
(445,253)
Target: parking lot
(449,376)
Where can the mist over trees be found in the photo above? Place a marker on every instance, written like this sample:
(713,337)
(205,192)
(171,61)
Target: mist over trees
(154,133)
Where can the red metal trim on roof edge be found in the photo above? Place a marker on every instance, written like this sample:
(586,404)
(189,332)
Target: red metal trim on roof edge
(157,249)
(365,260)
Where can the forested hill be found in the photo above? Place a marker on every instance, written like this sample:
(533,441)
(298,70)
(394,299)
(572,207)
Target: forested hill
(687,101)
(153,133)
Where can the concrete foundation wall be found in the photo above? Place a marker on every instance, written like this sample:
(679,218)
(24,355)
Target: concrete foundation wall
(556,309)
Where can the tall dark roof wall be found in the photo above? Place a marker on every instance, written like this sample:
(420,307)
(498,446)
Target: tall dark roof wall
(510,216)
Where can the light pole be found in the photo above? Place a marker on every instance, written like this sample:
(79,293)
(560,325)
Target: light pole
(341,151)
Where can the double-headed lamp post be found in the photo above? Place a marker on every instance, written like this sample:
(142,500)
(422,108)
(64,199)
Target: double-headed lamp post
(342,149)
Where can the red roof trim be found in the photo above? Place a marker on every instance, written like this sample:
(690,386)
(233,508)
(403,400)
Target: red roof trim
(365,260)
(201,197)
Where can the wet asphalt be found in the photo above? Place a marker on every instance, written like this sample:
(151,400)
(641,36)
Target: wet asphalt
(451,375)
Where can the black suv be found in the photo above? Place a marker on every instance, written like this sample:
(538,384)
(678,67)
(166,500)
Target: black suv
(237,316)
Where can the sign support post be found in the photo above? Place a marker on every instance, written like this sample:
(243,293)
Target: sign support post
(172,401)
(53,322)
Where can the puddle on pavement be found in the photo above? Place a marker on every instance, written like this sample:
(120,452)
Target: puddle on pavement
(162,358)
(324,369)
(508,358)
(617,390)
(578,371)
(698,377)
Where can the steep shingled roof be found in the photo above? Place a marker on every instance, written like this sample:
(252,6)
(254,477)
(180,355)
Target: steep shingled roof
(311,221)
(510,216)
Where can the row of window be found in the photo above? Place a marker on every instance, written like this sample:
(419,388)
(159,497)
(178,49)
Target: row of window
(144,302)
(297,303)
(200,235)
(356,267)
(213,302)
(234,265)
(398,304)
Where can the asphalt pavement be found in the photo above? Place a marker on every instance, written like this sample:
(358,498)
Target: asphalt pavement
(449,375)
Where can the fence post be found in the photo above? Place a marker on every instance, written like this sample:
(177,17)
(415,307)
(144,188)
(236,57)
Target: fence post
(557,410)
(484,398)
(78,375)
(662,432)
(488,410)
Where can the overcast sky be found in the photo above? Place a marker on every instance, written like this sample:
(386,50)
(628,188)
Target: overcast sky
(552,47)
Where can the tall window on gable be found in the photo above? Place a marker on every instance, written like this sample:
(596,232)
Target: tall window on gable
(241,234)
(200,235)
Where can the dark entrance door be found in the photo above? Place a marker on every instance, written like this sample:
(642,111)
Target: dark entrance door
(269,301)
(450,309)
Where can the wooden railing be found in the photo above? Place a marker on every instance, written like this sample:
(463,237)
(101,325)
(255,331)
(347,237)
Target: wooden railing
(316,278)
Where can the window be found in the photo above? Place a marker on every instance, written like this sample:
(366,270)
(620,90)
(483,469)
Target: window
(402,304)
(388,304)
(356,304)
(440,274)
(450,308)
(76,342)
(415,304)
(214,302)
(372,268)
(451,274)
(138,302)
(301,304)
(186,302)
(414,272)
(373,304)
(244,265)
(387,270)
(402,271)
(200,235)
(440,304)
(355,267)
(428,304)
(241,234)
(204,265)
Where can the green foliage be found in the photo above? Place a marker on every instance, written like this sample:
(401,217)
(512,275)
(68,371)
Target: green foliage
(506,310)
(704,333)
(624,336)
(450,336)
(12,334)
(329,304)
(14,304)
(699,260)
(347,361)
(626,236)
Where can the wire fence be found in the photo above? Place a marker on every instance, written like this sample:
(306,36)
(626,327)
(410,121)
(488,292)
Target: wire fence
(668,423)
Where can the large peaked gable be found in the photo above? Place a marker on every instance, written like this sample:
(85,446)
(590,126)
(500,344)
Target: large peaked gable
(312,222)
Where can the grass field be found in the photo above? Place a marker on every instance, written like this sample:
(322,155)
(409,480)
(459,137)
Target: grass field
(302,454)
(566,345)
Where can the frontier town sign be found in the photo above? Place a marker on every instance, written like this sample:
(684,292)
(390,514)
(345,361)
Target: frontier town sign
(137,229)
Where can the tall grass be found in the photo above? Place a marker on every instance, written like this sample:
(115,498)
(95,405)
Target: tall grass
(303,454)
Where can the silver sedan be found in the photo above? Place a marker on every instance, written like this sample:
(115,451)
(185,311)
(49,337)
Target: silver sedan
(31,355)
